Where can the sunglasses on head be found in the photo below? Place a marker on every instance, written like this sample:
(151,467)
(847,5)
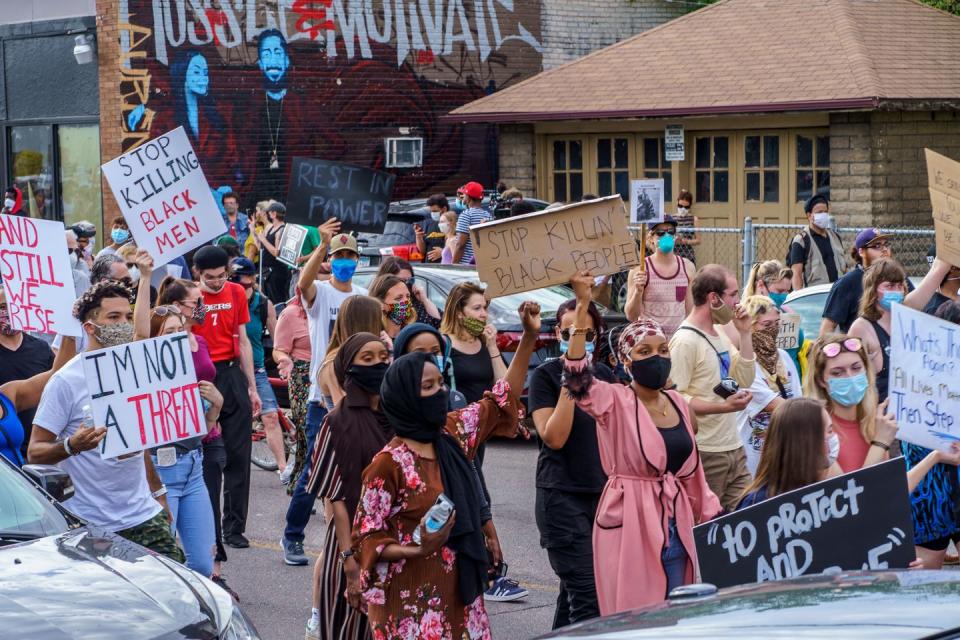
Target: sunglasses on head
(833,349)
(664,232)
(591,335)
(166,310)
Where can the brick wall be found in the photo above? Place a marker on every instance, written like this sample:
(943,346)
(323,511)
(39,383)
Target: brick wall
(518,162)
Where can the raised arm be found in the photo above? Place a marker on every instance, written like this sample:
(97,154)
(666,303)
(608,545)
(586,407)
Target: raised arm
(637,282)
(310,271)
(25,394)
(516,374)
(141,309)
(919,297)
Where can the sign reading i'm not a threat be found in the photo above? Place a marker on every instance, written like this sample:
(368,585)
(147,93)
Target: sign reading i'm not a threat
(145,393)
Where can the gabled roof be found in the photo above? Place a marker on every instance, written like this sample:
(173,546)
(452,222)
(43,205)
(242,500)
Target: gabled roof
(745,56)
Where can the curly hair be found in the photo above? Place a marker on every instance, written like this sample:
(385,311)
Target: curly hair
(93,298)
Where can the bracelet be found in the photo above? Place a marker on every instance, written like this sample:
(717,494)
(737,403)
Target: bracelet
(66,446)
(346,555)
(159,493)
(877,443)
(495,356)
(579,331)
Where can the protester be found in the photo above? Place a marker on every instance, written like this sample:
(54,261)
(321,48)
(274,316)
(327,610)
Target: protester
(843,302)
(569,475)
(258,223)
(119,236)
(237,225)
(78,268)
(704,362)
(816,254)
(430,238)
(657,490)
(448,227)
(949,288)
(687,224)
(358,314)
(291,352)
(13,202)
(771,279)
(110,267)
(276,274)
(426,310)
(229,244)
(655,295)
(776,379)
(86,239)
(474,215)
(224,329)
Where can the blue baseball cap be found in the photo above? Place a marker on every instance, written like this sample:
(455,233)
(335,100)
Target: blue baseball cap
(866,237)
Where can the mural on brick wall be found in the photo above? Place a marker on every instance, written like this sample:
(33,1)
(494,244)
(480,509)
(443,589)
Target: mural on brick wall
(256,82)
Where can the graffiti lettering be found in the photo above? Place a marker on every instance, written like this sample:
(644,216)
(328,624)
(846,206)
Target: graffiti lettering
(134,83)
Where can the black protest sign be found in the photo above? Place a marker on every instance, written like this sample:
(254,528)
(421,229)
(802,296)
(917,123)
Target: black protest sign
(860,520)
(320,190)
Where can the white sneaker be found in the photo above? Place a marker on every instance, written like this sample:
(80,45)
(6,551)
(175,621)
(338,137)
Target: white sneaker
(312,632)
(285,474)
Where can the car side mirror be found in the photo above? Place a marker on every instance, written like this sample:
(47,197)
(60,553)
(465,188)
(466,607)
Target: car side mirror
(51,479)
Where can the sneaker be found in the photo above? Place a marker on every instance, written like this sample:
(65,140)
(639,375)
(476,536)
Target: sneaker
(293,552)
(220,582)
(951,559)
(236,540)
(285,474)
(505,590)
(312,632)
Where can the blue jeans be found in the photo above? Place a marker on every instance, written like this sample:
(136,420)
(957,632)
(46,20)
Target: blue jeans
(191,509)
(301,502)
(674,559)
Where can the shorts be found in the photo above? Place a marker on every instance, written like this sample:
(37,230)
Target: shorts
(941,544)
(268,399)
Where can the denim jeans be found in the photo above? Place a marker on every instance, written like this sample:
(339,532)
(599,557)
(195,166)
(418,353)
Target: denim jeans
(190,506)
(674,559)
(301,503)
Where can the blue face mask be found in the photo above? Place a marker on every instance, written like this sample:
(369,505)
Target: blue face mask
(666,243)
(778,298)
(119,235)
(888,298)
(848,391)
(343,268)
(459,207)
(564,345)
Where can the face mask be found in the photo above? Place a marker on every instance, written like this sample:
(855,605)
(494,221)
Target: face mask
(5,327)
(474,327)
(833,445)
(459,207)
(588,346)
(444,228)
(9,203)
(651,372)
(822,219)
(438,360)
(209,289)
(666,243)
(888,298)
(399,311)
(683,210)
(435,215)
(120,236)
(848,391)
(113,335)
(722,314)
(134,275)
(199,312)
(368,377)
(246,285)
(343,269)
(74,259)
(435,408)
(778,298)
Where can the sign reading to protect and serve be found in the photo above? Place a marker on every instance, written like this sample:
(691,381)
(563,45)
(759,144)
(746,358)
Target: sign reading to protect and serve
(789,335)
(924,368)
(164,197)
(859,520)
(944,179)
(291,244)
(536,250)
(37,280)
(319,190)
(145,393)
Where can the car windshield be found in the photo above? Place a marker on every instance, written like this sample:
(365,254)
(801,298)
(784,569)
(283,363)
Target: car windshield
(504,311)
(25,513)
(810,308)
(398,231)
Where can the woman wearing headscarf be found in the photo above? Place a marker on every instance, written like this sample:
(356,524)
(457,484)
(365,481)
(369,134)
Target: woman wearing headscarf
(434,588)
(349,438)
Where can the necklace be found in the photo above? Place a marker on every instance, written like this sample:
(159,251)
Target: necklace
(274,136)
(662,409)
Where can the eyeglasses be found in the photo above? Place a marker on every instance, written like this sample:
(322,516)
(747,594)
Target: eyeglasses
(879,245)
(219,278)
(833,349)
(591,335)
(664,232)
(191,304)
(166,310)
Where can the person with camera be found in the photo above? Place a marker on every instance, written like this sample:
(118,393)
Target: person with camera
(712,375)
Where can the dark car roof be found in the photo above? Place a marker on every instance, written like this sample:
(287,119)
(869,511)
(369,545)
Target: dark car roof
(848,605)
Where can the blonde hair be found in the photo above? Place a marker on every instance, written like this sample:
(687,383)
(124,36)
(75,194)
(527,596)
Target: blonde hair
(814,385)
(766,272)
(757,305)
(357,314)
(452,322)
(263,204)
(128,252)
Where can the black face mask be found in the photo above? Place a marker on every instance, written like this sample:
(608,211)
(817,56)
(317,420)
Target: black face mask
(651,372)
(369,377)
(435,409)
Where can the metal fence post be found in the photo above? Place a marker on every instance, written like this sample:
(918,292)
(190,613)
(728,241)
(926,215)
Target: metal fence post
(749,248)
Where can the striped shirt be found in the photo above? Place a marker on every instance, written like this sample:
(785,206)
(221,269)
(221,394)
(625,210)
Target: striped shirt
(465,220)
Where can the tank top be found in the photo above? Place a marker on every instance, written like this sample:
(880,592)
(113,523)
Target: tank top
(269,260)
(685,227)
(11,432)
(883,376)
(663,296)
(255,330)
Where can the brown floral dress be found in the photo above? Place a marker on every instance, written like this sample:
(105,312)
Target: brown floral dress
(420,598)
(299,391)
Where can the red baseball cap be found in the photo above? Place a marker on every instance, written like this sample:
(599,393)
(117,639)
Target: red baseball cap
(473,190)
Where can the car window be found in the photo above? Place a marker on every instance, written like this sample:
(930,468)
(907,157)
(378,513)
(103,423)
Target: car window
(434,293)
(397,231)
(503,310)
(24,510)
(810,308)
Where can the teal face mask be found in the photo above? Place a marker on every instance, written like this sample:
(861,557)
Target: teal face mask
(888,298)
(666,243)
(778,298)
(564,345)
(848,391)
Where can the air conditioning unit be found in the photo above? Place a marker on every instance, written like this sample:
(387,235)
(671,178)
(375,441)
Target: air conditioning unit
(404,152)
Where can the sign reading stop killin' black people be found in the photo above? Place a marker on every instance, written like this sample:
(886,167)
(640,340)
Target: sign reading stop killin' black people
(536,250)
(860,520)
(145,393)
(164,196)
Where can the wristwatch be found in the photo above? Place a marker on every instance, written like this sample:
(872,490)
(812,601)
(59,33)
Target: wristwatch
(344,555)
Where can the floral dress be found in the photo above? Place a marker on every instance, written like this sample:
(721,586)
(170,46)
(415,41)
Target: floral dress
(420,598)
(299,390)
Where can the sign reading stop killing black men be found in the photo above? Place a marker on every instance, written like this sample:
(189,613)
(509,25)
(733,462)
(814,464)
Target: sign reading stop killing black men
(860,520)
(319,190)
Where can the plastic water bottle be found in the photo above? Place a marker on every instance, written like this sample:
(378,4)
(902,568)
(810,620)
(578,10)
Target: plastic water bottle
(87,420)
(437,516)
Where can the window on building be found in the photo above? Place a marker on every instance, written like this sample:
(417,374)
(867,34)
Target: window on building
(404,152)
(761,162)
(655,165)
(79,147)
(813,166)
(613,167)
(567,170)
(31,168)
(712,163)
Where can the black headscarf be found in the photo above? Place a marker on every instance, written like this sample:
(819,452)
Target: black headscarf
(401,402)
(408,332)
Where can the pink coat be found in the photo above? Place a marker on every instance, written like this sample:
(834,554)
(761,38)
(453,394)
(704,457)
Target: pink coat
(639,498)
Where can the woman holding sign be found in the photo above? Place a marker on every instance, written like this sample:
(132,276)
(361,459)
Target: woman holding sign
(656,491)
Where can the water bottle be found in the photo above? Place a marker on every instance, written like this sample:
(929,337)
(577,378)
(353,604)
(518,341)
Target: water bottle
(437,516)
(87,420)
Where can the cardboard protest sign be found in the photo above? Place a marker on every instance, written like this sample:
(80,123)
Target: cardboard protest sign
(924,368)
(860,520)
(320,190)
(291,244)
(943,175)
(37,280)
(164,197)
(789,336)
(540,249)
(646,201)
(145,393)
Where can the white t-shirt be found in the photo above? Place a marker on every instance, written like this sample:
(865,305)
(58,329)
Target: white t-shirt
(320,318)
(113,494)
(81,340)
(753,422)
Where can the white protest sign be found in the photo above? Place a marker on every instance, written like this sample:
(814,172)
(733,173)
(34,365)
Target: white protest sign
(789,336)
(145,393)
(291,244)
(164,197)
(646,201)
(37,280)
(924,366)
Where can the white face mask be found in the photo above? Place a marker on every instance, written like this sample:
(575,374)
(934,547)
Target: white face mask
(833,444)
(683,210)
(74,259)
(135,274)
(435,215)
(821,219)
(9,203)
(444,227)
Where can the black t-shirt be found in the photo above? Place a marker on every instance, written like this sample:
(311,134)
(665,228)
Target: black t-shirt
(935,302)
(432,237)
(798,253)
(843,301)
(34,356)
(575,467)
(473,374)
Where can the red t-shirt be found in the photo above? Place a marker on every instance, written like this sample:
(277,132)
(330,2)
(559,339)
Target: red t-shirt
(226,312)
(853,448)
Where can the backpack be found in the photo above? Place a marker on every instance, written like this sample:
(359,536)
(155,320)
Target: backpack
(263,312)
(804,236)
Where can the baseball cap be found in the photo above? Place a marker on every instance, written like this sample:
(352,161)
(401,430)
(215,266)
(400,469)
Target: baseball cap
(277,207)
(667,219)
(868,236)
(473,190)
(226,240)
(243,267)
(343,242)
(210,257)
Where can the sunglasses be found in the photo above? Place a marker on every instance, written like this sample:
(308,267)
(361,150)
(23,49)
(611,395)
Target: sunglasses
(879,245)
(591,335)
(833,349)
(667,232)
(164,311)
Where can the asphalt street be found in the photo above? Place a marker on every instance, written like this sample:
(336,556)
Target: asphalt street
(277,596)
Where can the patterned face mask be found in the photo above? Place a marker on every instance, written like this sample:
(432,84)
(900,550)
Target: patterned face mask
(399,312)
(199,312)
(113,335)
(5,327)
(474,326)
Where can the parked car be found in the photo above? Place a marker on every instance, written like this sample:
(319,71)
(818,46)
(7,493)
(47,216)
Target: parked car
(64,578)
(891,605)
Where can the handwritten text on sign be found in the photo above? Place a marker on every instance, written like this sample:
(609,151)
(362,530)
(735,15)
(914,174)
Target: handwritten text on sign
(145,393)
(859,520)
(320,190)
(541,249)
(943,175)
(35,269)
(789,335)
(924,367)
(164,197)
